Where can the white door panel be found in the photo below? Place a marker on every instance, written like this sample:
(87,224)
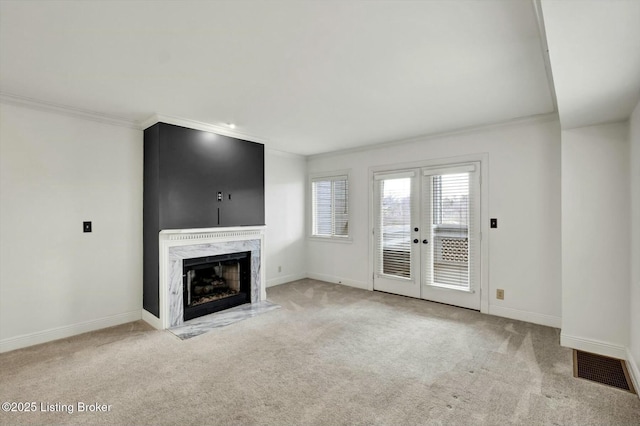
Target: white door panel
(450,223)
(396,217)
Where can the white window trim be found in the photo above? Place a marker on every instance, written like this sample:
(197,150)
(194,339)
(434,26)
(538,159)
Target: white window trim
(328,175)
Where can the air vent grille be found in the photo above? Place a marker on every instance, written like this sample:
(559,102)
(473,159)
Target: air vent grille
(602,369)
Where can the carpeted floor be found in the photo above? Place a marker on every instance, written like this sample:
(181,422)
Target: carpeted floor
(330,355)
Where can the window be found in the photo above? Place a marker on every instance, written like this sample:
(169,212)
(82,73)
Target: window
(330,206)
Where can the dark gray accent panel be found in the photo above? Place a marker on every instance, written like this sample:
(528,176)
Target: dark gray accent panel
(151,222)
(196,179)
(195,166)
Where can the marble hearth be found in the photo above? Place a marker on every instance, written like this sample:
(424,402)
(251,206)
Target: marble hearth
(177,245)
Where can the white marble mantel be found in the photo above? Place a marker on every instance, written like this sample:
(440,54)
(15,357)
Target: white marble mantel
(176,245)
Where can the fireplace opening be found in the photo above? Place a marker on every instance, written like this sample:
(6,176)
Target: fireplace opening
(214,283)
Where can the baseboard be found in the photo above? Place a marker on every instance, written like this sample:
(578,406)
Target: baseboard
(151,319)
(594,346)
(286,279)
(338,280)
(45,336)
(634,372)
(533,317)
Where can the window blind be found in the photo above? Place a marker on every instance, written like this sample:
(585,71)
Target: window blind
(452,252)
(330,206)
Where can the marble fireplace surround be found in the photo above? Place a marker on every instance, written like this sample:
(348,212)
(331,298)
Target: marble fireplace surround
(176,245)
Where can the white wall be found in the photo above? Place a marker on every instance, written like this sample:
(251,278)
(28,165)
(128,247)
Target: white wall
(285,177)
(634,340)
(57,171)
(595,239)
(524,194)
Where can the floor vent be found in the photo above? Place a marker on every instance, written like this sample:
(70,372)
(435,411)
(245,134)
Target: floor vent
(602,369)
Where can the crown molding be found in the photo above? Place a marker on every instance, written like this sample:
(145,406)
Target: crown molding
(599,123)
(285,154)
(520,121)
(38,104)
(199,125)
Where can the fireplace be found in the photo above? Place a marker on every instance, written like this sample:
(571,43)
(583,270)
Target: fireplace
(214,283)
(177,246)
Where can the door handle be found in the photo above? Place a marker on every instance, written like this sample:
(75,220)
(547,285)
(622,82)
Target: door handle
(415,241)
(425,242)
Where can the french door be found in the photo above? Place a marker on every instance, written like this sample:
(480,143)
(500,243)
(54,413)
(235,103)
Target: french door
(396,233)
(427,233)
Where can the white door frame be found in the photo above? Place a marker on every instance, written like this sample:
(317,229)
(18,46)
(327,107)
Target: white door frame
(483,158)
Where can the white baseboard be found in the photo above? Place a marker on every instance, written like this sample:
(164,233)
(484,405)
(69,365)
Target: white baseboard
(594,346)
(286,279)
(151,319)
(44,336)
(634,372)
(533,317)
(338,280)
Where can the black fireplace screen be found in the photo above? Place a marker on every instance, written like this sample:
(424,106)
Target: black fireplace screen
(214,283)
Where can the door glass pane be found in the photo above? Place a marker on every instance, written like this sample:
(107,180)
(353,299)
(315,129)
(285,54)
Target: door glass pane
(450,230)
(394,229)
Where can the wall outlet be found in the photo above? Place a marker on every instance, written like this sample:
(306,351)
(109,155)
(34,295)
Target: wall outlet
(86,226)
(279,268)
(500,294)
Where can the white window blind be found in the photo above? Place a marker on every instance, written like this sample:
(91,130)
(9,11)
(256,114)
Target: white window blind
(393,230)
(330,206)
(452,241)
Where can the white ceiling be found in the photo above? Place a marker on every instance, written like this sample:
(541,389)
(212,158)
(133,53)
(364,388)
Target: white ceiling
(304,76)
(594,48)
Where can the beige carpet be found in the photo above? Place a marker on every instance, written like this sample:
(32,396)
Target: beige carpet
(330,355)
